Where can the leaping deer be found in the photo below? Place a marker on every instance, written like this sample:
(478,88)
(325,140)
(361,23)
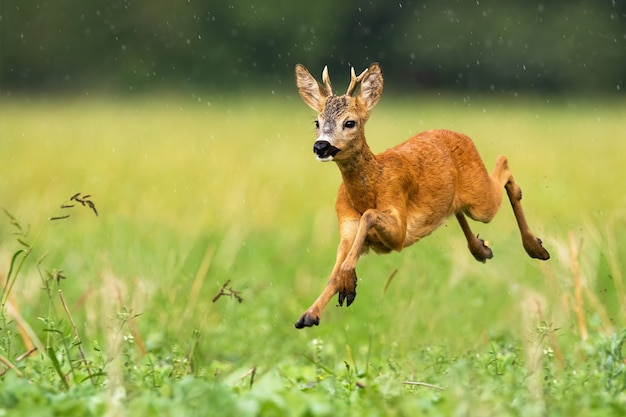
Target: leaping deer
(391,200)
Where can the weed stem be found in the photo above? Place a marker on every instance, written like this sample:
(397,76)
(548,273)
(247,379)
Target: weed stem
(9,364)
(80,347)
(423,384)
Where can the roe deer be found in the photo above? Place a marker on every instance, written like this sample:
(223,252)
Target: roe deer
(391,200)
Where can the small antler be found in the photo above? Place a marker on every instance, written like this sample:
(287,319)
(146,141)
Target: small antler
(326,79)
(354,80)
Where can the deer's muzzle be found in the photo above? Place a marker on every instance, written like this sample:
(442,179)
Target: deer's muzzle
(324,150)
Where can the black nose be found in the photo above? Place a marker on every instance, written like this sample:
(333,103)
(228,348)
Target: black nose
(323,149)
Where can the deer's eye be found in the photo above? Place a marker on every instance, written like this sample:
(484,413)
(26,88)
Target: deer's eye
(349,124)
(317,124)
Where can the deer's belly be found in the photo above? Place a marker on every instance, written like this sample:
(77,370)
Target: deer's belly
(419,226)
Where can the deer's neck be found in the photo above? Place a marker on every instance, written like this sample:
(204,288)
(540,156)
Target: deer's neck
(360,178)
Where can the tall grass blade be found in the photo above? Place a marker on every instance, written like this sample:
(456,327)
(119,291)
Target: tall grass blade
(6,290)
(57,366)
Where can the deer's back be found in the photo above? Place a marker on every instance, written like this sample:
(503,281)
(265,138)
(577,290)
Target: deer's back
(438,156)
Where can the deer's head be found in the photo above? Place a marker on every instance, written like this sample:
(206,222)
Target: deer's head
(341,119)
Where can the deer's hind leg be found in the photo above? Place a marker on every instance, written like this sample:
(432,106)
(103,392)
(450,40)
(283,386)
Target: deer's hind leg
(478,247)
(502,177)
(482,201)
(479,198)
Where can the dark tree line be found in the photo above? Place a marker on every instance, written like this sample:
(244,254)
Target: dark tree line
(473,45)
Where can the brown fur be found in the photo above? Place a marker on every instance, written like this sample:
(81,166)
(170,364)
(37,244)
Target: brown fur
(391,200)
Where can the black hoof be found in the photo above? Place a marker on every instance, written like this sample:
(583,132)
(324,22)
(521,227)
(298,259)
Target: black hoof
(537,250)
(307,321)
(347,296)
(481,251)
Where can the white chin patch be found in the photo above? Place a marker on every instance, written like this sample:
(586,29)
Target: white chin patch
(327,159)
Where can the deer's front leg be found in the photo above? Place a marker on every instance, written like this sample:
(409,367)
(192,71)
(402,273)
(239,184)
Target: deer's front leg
(388,227)
(339,282)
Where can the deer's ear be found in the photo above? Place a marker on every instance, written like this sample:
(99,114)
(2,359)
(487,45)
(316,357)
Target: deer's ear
(310,90)
(371,87)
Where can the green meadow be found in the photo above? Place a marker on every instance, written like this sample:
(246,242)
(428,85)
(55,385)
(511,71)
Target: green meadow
(215,229)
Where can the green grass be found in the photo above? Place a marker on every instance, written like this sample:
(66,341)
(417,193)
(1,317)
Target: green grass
(194,191)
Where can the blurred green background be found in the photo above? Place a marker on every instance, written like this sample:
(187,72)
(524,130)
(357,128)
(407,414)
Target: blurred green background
(183,122)
(480,45)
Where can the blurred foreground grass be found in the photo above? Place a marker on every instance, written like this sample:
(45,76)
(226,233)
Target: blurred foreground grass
(195,191)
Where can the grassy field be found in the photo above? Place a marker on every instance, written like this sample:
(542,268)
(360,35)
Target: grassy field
(196,192)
